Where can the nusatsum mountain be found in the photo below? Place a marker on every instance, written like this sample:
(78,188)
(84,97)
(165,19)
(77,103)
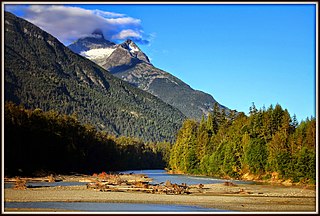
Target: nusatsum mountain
(40,72)
(128,62)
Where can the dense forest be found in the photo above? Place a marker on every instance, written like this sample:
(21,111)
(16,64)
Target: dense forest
(38,142)
(267,143)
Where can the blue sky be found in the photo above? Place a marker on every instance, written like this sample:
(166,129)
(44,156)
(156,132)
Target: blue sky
(237,53)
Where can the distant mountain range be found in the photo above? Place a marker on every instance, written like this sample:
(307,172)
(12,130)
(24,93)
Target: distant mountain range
(128,62)
(40,72)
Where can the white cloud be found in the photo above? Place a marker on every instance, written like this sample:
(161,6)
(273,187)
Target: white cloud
(124,21)
(127,33)
(70,23)
(107,13)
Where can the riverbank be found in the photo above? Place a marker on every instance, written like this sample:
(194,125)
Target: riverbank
(273,179)
(225,196)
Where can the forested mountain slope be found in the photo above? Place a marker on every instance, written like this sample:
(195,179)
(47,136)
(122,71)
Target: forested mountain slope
(40,72)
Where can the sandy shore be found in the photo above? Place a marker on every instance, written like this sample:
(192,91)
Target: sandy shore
(242,197)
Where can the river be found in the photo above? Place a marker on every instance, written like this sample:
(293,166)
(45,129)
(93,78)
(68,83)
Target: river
(160,176)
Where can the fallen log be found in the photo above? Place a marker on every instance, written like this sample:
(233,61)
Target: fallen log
(127,189)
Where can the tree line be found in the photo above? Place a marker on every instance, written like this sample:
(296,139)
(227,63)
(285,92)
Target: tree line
(231,145)
(268,142)
(38,142)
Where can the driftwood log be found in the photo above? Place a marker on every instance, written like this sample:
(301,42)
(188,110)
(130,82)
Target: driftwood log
(20,184)
(168,188)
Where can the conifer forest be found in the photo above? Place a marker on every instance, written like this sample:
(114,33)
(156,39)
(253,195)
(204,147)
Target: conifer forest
(266,142)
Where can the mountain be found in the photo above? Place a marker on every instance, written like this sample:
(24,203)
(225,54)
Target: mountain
(129,63)
(40,72)
(122,56)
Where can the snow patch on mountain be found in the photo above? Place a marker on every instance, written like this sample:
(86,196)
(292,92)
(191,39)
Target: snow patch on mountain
(133,48)
(98,54)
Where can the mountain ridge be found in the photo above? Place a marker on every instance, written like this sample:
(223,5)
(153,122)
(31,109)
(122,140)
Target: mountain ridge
(128,62)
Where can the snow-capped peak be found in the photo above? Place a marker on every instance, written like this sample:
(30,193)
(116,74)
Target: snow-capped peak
(133,48)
